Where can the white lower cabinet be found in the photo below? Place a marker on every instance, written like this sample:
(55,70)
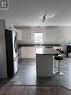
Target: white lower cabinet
(28,52)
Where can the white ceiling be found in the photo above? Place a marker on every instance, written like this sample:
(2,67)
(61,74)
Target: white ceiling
(29,12)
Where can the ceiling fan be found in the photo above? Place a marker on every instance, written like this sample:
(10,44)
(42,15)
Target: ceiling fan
(46,16)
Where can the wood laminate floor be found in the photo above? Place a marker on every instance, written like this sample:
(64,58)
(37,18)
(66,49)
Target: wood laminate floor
(26,75)
(33,90)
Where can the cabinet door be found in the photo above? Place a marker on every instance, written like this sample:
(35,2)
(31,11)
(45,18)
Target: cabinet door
(26,35)
(28,52)
(19,35)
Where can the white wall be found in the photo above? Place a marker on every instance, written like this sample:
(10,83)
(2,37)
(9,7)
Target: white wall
(66,33)
(3,64)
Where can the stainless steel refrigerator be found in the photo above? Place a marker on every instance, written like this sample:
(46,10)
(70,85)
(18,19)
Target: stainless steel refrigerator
(11,52)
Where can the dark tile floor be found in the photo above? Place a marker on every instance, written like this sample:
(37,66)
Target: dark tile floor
(27,75)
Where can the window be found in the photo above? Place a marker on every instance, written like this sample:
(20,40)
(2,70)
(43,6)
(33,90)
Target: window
(38,37)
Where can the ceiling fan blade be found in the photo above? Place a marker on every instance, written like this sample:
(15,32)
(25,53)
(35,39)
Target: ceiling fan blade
(44,17)
(47,16)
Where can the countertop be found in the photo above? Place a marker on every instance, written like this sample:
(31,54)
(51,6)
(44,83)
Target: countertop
(22,43)
(46,51)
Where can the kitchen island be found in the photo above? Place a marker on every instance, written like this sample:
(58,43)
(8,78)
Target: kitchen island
(44,61)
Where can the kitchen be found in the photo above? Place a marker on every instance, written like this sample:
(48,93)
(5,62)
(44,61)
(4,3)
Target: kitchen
(35,34)
(29,45)
(51,33)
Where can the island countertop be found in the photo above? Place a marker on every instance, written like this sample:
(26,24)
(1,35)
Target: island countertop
(46,51)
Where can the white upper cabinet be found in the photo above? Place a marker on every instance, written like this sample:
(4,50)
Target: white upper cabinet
(19,34)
